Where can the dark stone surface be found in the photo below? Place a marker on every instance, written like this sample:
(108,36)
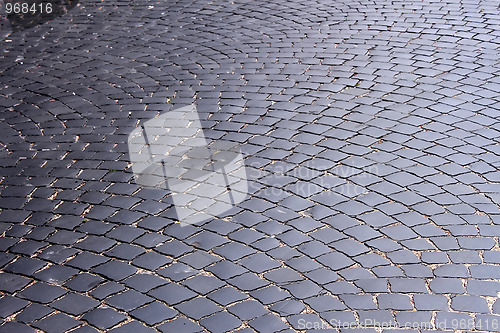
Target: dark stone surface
(369,132)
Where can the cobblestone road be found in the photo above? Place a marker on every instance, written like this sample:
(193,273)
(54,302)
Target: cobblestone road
(370,131)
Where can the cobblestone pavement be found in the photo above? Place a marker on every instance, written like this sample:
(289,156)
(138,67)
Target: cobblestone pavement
(370,132)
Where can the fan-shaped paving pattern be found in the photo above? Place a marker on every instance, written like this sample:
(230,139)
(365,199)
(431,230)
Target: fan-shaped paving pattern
(370,135)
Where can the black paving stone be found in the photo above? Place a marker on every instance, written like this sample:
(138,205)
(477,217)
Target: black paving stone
(94,227)
(11,282)
(470,304)
(417,270)
(322,276)
(199,259)
(203,284)
(17,230)
(66,222)
(42,293)
(270,294)
(75,304)
(106,289)
(372,285)
(246,236)
(177,271)
(128,300)
(57,253)
(248,310)
(283,253)
(359,302)
(303,289)
(151,260)
(25,266)
(384,244)
(150,240)
(95,243)
(447,286)
(83,282)
(248,282)
(124,251)
(198,307)
(233,251)
(155,223)
(303,264)
(154,313)
(220,322)
(349,247)
(144,282)
(407,285)
(115,270)
(10,305)
(371,260)
(104,318)
(9,327)
(288,307)
(403,257)
(394,302)
(477,243)
(151,207)
(173,248)
(33,312)
(57,323)
(430,302)
(452,270)
(342,287)
(335,260)
(6,258)
(65,237)
(282,275)
(325,303)
(172,294)
(434,257)
(445,243)
(227,295)
(226,269)
(125,217)
(28,247)
(56,274)
(266,244)
(222,227)
(483,288)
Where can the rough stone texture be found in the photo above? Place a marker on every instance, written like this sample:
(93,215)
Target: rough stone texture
(369,131)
